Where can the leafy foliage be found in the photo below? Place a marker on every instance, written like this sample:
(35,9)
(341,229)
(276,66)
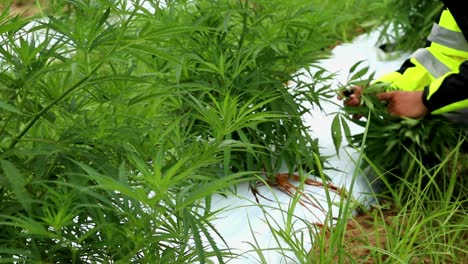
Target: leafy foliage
(118,121)
(397,144)
(407,24)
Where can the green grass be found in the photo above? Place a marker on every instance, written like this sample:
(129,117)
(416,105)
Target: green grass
(118,124)
(419,219)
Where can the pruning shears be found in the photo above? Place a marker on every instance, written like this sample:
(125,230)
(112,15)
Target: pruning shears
(348,92)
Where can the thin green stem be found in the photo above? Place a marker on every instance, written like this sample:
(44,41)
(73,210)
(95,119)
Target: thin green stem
(30,124)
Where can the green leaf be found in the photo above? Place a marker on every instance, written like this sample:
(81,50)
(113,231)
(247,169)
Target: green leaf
(13,25)
(188,219)
(17,184)
(336,133)
(346,129)
(10,108)
(354,67)
(205,189)
(359,74)
(211,241)
(138,49)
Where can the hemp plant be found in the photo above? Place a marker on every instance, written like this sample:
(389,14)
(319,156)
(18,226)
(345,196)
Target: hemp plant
(118,123)
(96,164)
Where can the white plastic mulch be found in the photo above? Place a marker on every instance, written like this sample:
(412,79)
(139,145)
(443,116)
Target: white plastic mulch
(247,226)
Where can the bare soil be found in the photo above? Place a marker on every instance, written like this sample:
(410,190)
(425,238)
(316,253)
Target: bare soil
(25,8)
(365,236)
(368,239)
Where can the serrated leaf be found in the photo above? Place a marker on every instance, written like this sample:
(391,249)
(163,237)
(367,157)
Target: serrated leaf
(17,184)
(196,236)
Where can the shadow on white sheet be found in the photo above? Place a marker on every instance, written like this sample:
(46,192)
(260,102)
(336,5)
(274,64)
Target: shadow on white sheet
(247,226)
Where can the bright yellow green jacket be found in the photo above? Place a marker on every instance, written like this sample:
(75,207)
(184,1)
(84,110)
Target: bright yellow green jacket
(440,69)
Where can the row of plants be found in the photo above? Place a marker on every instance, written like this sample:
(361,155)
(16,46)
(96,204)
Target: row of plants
(118,121)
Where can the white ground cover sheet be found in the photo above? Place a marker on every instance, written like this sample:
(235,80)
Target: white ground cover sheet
(246,225)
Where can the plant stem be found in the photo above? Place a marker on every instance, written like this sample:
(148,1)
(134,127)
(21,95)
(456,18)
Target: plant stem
(16,139)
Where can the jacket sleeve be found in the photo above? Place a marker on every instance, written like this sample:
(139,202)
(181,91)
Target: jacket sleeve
(449,93)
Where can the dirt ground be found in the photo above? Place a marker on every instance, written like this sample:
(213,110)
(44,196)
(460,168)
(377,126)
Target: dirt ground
(368,238)
(363,232)
(24,8)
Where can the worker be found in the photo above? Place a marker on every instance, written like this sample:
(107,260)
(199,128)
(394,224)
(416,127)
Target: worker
(434,80)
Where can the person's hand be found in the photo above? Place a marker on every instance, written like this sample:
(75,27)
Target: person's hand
(404,103)
(353,100)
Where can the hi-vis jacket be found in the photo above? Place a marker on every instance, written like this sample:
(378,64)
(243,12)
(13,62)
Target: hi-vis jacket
(441,68)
